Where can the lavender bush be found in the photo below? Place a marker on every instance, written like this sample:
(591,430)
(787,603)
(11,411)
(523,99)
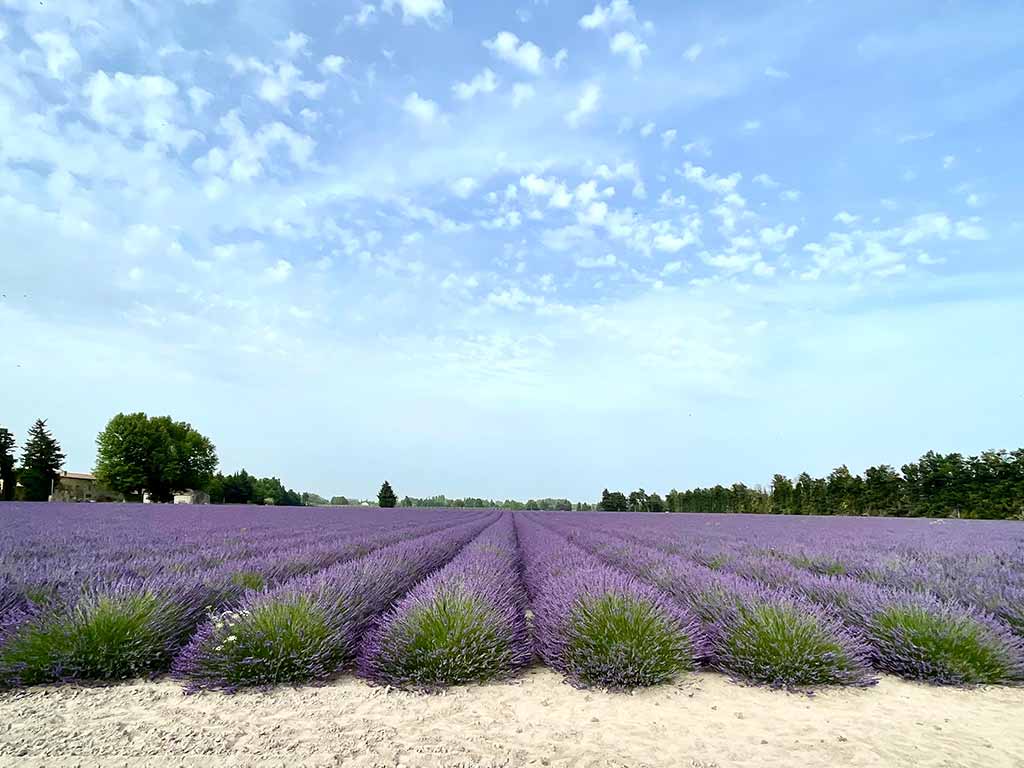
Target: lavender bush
(599,626)
(464,624)
(125,630)
(307,629)
(758,634)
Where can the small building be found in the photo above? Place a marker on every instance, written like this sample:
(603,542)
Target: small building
(192,497)
(81,486)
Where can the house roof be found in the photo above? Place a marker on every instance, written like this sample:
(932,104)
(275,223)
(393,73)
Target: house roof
(77,475)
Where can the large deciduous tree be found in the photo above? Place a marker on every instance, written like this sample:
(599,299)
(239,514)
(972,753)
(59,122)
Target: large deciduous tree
(41,462)
(386,497)
(8,477)
(137,453)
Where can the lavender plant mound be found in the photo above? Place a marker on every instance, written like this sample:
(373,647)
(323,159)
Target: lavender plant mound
(598,625)
(919,636)
(465,623)
(310,627)
(124,630)
(758,634)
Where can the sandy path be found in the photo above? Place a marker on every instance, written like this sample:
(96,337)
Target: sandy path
(704,721)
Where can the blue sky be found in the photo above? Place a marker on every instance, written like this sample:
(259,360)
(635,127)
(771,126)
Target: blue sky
(516,250)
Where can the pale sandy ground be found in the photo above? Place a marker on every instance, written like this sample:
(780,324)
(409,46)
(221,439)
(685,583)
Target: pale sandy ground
(702,721)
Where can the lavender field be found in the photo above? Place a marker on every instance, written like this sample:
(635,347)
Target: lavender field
(227,598)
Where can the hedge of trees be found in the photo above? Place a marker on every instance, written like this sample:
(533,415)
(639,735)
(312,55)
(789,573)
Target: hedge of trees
(990,485)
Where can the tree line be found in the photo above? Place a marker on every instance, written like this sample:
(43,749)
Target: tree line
(138,455)
(990,485)
(471,502)
(41,462)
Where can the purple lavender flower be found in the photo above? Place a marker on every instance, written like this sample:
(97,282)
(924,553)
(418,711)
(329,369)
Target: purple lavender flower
(464,623)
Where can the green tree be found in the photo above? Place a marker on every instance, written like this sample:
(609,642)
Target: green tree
(153,454)
(883,488)
(782,495)
(8,477)
(41,462)
(613,502)
(386,497)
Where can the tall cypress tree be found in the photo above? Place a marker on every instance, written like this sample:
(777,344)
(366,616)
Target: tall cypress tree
(8,477)
(386,497)
(41,462)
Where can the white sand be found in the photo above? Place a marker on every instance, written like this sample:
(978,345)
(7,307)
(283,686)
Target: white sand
(704,720)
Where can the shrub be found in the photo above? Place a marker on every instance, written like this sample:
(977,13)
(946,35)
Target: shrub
(308,629)
(782,645)
(463,624)
(920,638)
(603,628)
(110,633)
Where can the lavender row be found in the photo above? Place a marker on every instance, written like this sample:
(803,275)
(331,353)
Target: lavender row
(311,627)
(756,633)
(465,623)
(973,570)
(597,625)
(120,628)
(914,635)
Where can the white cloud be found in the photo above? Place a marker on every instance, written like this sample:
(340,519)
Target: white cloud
(766,181)
(594,214)
(778,234)
(416,10)
(973,200)
(732,263)
(521,93)
(366,14)
(279,272)
(720,185)
(971,230)
(948,162)
(485,82)
(778,74)
(278,84)
(61,57)
(667,137)
(464,187)
(616,12)
(243,160)
(693,52)
(928,260)
(673,243)
(750,126)
(294,44)
(587,104)
(844,217)
(424,110)
(560,58)
(596,262)
(331,65)
(671,268)
(626,44)
(199,98)
(925,226)
(700,147)
(147,105)
(525,55)
(647,130)
(791,195)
